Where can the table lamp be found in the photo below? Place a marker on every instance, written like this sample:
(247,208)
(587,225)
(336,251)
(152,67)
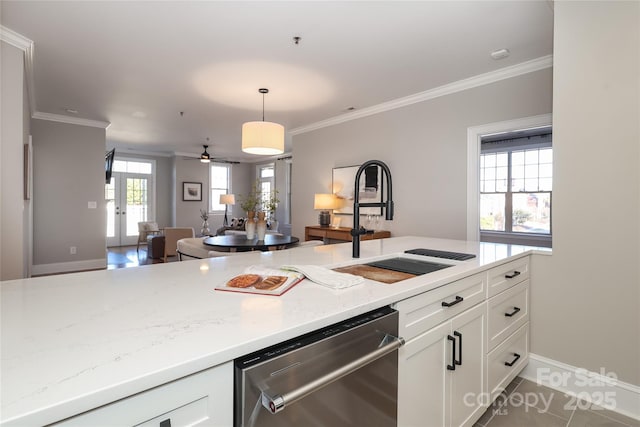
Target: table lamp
(226,200)
(324,203)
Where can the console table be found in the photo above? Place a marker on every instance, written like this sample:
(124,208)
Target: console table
(339,234)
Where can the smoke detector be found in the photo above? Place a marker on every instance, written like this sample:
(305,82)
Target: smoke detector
(500,54)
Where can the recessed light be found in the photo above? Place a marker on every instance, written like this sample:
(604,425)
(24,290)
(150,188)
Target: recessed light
(71,111)
(500,54)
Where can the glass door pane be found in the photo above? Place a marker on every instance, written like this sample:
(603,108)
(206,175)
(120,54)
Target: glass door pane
(137,204)
(113,238)
(128,197)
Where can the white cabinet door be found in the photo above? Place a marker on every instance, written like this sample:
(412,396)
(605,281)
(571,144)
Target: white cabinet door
(421,379)
(469,378)
(430,392)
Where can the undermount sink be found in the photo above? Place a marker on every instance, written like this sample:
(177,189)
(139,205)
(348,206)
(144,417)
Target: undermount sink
(393,270)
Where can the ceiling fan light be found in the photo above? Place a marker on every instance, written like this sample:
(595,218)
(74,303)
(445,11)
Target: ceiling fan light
(205,157)
(265,138)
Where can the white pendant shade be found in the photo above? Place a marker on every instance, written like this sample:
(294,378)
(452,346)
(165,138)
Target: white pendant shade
(262,138)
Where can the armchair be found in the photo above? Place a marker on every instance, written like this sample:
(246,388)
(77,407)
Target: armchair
(171,237)
(146,228)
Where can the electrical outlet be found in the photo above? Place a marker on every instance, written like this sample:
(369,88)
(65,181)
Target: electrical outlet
(73,250)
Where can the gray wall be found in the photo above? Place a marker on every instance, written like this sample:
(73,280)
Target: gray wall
(14,210)
(424,145)
(68,162)
(187,214)
(586,297)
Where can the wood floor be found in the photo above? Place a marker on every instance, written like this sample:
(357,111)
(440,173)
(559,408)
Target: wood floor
(127,256)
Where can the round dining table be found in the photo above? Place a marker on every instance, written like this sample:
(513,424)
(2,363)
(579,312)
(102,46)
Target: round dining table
(240,243)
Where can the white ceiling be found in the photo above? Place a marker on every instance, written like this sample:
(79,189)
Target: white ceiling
(137,65)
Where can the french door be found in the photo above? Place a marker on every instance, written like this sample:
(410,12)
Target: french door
(129,200)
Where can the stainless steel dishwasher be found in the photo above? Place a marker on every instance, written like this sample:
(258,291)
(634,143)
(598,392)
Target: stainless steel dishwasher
(342,375)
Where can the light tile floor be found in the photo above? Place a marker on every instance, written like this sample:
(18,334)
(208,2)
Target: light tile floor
(526,403)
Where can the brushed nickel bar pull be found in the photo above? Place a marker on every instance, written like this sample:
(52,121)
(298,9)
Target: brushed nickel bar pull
(275,403)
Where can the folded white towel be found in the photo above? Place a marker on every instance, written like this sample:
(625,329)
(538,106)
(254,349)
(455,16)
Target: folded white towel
(324,276)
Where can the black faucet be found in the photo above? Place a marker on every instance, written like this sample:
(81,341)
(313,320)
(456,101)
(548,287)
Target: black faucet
(358,231)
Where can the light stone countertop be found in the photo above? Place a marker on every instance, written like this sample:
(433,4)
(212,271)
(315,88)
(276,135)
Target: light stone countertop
(73,342)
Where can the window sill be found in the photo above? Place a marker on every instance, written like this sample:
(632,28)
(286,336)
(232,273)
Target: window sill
(540,240)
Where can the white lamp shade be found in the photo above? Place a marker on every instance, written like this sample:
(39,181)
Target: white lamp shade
(324,201)
(227,199)
(262,138)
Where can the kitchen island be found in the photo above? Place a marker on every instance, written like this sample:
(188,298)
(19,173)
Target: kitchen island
(73,343)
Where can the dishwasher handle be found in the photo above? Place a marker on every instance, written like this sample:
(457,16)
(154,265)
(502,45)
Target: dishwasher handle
(275,403)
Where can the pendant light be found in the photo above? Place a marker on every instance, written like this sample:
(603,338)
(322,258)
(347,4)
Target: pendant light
(264,138)
(205,157)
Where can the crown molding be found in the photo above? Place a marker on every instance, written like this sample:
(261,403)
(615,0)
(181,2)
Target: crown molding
(70,120)
(25,45)
(448,89)
(15,39)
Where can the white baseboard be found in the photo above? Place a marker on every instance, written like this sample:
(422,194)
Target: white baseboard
(69,267)
(599,388)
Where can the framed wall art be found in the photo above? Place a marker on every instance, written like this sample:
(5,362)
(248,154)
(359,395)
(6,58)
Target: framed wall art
(371,189)
(192,191)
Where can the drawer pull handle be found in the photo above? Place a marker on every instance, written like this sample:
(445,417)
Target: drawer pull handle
(459,361)
(511,276)
(449,304)
(515,310)
(515,359)
(452,367)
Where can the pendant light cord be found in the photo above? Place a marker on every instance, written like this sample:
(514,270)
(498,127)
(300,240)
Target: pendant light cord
(263,107)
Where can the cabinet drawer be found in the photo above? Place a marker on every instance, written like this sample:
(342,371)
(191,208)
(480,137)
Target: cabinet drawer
(505,276)
(337,235)
(204,398)
(507,312)
(515,352)
(312,232)
(424,311)
(191,414)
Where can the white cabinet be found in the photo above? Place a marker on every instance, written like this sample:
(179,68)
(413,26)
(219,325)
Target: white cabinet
(506,312)
(422,377)
(201,399)
(424,311)
(464,339)
(504,276)
(441,367)
(507,360)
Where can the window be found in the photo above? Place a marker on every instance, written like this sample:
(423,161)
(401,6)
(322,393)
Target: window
(219,180)
(266,181)
(516,176)
(131,166)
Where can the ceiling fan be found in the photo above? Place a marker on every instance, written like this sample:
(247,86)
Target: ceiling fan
(205,157)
